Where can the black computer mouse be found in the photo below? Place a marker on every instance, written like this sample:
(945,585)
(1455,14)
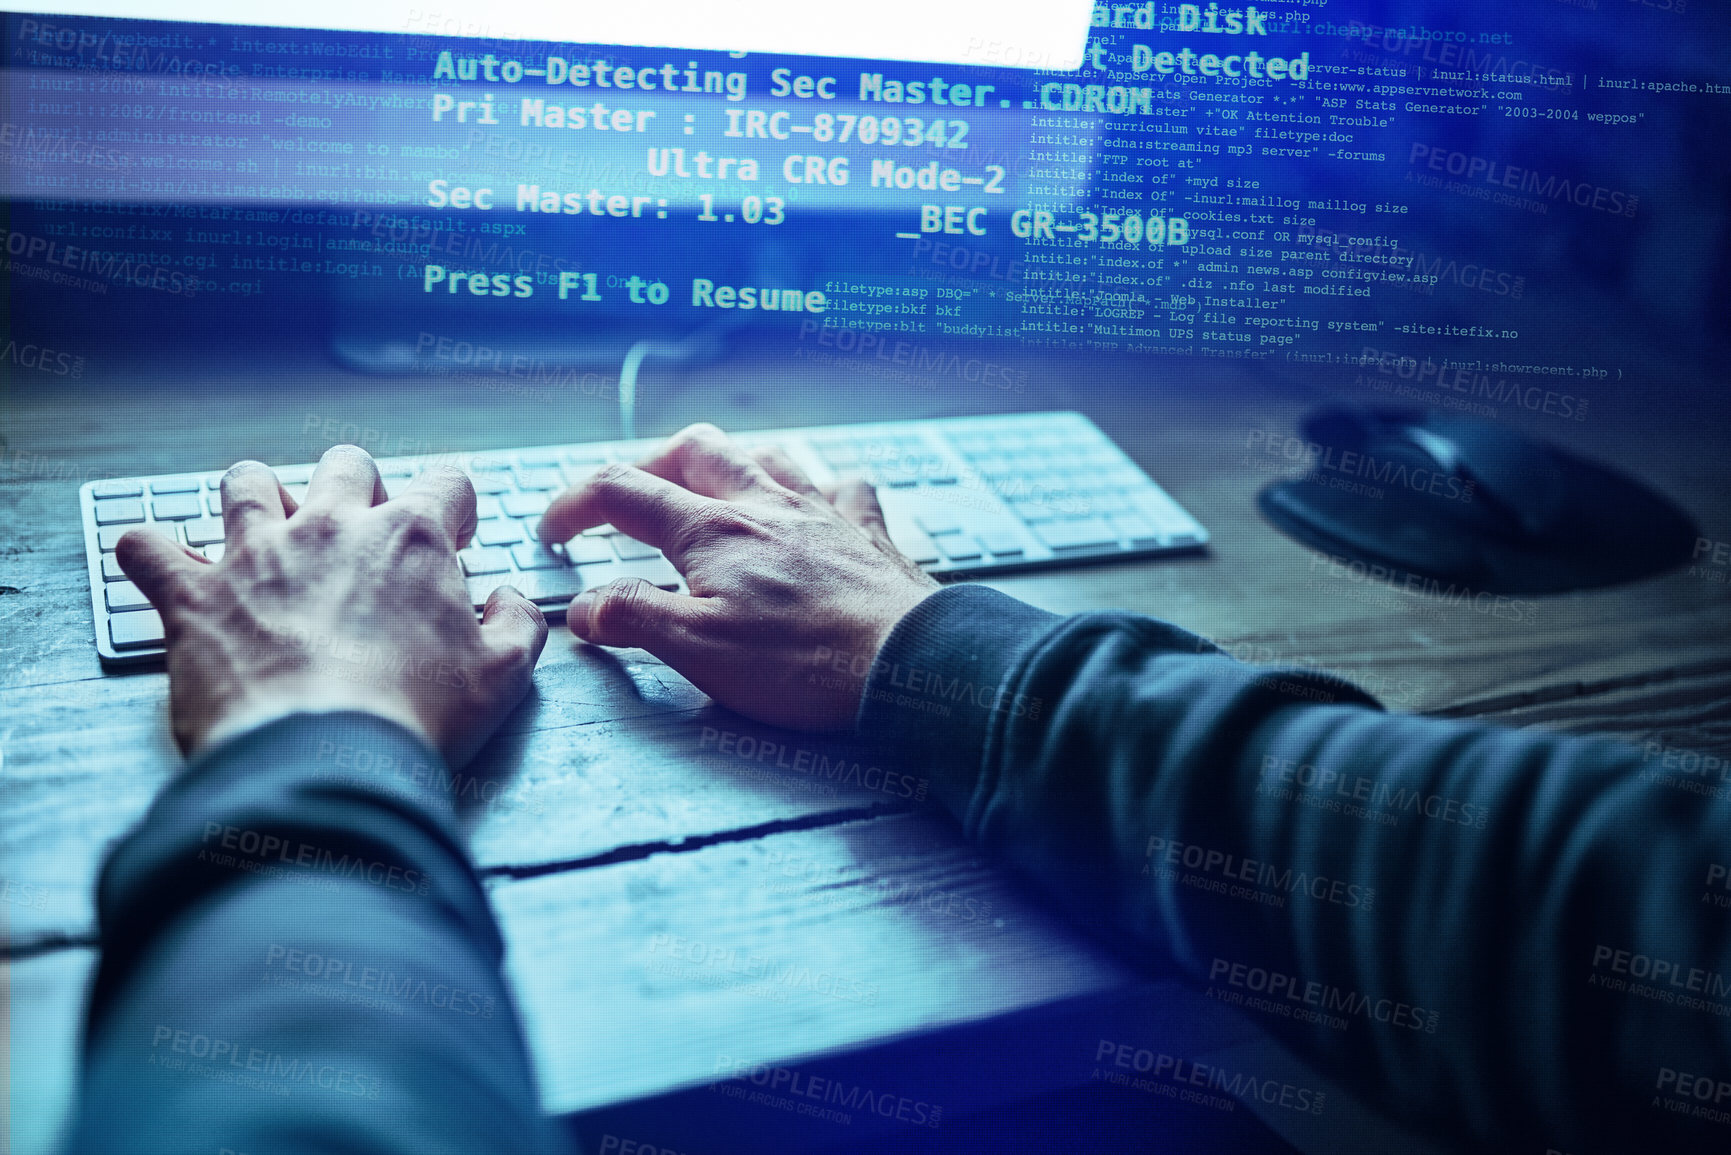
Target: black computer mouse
(1468,504)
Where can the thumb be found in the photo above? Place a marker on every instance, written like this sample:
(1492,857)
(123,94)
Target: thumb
(632,612)
(513,626)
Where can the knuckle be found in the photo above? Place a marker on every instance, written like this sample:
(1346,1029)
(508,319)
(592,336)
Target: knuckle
(313,527)
(612,474)
(345,450)
(418,526)
(620,607)
(445,474)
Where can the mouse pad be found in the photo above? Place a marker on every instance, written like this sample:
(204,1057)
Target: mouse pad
(1546,520)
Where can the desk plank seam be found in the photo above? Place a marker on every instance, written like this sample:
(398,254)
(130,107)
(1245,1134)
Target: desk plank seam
(640,850)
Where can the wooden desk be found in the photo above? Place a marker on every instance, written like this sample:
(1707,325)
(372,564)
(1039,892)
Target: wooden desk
(627,827)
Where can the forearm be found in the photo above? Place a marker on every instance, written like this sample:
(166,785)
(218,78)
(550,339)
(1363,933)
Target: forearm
(1414,903)
(297,956)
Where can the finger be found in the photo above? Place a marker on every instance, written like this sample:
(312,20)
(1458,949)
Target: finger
(704,460)
(785,470)
(649,508)
(346,475)
(251,496)
(156,565)
(446,494)
(857,501)
(631,612)
(514,627)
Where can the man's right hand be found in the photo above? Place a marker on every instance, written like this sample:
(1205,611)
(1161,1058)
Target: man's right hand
(792,591)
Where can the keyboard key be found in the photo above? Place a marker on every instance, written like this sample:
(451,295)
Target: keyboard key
(534,555)
(1137,528)
(1033,512)
(177,507)
(109,535)
(1084,533)
(123,595)
(485,561)
(501,531)
(580,472)
(936,521)
(111,571)
(213,552)
(592,459)
(524,504)
(486,507)
(213,502)
(491,481)
(546,477)
(204,531)
(135,630)
(657,571)
(539,586)
(293,474)
(539,459)
(119,512)
(959,547)
(589,550)
(396,469)
(918,546)
(186,484)
(121,487)
(630,549)
(1002,541)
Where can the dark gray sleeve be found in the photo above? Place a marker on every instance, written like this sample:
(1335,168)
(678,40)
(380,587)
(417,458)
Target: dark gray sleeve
(1513,938)
(297,957)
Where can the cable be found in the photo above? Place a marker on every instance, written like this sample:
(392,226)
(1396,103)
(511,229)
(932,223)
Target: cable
(704,340)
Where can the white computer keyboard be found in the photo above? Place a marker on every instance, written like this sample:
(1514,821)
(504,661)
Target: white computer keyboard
(961,495)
